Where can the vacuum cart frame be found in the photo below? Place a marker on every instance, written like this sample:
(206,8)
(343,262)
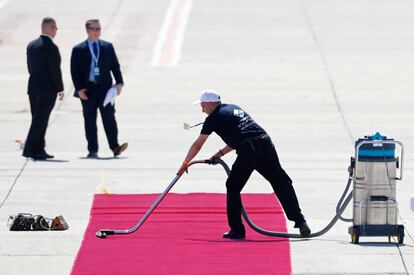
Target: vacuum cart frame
(370,198)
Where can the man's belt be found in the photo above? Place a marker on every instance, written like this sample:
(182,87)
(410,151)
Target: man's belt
(251,140)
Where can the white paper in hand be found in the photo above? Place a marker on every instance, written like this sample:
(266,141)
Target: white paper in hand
(110,96)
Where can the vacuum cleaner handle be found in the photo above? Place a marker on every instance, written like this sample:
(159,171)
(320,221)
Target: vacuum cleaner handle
(103,233)
(380,143)
(211,161)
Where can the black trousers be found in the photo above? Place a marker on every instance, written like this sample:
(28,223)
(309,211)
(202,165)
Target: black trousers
(259,155)
(40,107)
(96,96)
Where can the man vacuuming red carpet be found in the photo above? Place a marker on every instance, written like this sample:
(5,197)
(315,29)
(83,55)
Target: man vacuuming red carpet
(255,151)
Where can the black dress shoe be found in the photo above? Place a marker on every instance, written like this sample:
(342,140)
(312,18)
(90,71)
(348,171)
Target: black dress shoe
(48,156)
(39,156)
(27,155)
(92,155)
(304,230)
(234,235)
(119,149)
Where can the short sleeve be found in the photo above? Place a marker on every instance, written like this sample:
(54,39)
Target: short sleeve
(207,127)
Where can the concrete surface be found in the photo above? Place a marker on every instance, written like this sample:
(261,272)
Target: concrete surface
(316,74)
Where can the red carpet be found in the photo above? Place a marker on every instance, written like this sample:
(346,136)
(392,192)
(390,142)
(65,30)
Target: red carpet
(182,236)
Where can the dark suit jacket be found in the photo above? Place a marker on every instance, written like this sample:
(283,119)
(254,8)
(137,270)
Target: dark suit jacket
(81,61)
(43,62)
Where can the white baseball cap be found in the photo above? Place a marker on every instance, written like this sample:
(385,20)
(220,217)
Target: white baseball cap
(208,96)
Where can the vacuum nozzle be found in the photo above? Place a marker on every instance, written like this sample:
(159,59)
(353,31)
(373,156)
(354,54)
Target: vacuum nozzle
(104,232)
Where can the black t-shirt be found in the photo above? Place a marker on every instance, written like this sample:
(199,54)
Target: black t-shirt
(232,124)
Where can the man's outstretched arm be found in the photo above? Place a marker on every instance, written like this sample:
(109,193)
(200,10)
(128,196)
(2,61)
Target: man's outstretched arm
(222,152)
(192,152)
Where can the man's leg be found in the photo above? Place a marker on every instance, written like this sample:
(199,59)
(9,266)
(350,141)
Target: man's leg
(41,107)
(29,146)
(270,168)
(89,114)
(45,109)
(240,173)
(110,125)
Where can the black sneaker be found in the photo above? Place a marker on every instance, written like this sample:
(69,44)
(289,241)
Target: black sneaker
(234,235)
(304,230)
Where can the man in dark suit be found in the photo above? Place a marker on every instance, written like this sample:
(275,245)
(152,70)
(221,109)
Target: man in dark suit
(92,62)
(45,83)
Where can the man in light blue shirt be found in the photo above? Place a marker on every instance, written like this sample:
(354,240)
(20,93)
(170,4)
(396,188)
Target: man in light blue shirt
(93,63)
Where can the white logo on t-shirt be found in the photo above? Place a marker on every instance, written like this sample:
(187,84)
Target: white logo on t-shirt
(238,112)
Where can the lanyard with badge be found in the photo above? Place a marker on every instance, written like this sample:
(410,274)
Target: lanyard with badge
(95,63)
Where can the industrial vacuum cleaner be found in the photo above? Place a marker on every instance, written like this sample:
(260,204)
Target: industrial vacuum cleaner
(373,172)
(376,168)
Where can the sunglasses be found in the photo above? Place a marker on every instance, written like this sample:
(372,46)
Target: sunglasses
(95,29)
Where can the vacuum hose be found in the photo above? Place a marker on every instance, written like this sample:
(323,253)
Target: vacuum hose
(339,210)
(103,233)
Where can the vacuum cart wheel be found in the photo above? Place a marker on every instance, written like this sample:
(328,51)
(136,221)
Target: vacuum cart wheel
(354,238)
(400,238)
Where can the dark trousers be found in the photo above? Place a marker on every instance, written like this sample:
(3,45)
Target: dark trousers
(259,155)
(40,107)
(96,96)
